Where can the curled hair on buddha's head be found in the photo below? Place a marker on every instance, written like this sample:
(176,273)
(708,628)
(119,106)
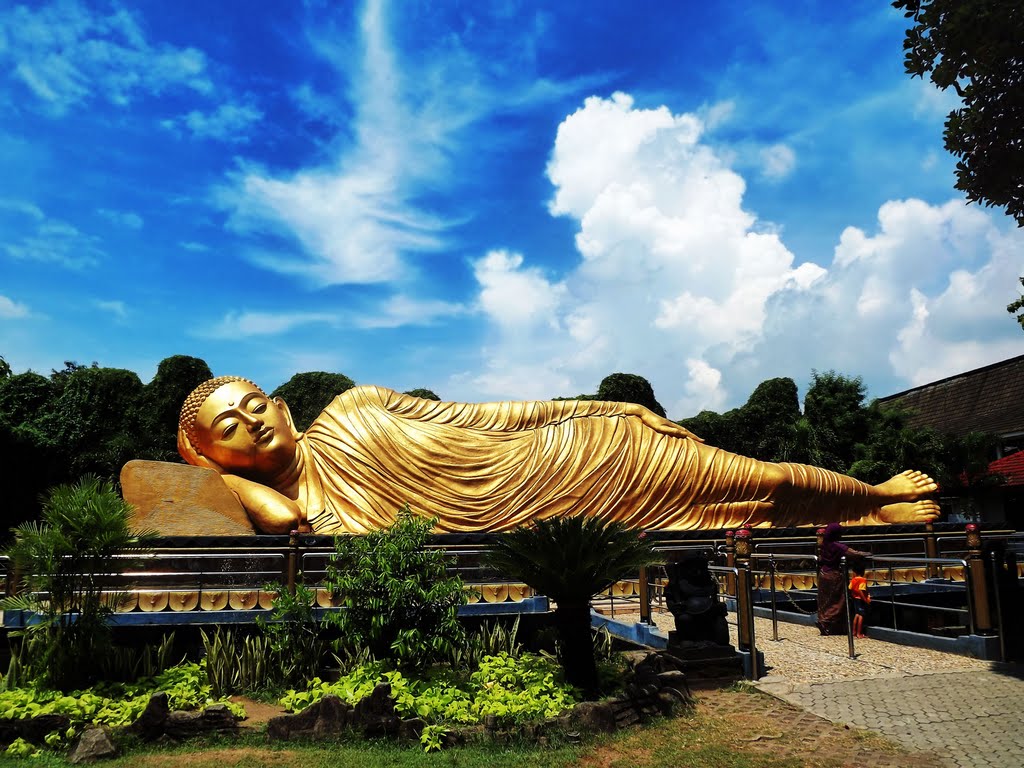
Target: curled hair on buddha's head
(190,408)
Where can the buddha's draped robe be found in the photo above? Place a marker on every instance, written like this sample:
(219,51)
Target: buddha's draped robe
(494,466)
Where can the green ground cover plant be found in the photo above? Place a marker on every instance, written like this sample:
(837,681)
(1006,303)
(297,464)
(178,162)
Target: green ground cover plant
(512,690)
(116,704)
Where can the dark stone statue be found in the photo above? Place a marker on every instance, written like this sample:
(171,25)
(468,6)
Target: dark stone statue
(692,598)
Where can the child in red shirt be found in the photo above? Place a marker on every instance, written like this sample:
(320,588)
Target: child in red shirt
(861,598)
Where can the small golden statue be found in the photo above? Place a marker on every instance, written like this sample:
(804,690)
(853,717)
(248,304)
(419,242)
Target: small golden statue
(494,466)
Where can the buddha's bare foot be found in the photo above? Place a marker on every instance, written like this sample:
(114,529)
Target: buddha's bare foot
(906,486)
(910,511)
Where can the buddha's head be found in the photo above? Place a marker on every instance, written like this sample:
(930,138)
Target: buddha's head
(228,423)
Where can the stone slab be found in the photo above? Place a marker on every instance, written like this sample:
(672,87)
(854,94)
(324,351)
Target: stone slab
(182,500)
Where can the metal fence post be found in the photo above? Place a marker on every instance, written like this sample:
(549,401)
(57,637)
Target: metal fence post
(979,582)
(730,562)
(931,549)
(292,562)
(745,616)
(645,595)
(844,567)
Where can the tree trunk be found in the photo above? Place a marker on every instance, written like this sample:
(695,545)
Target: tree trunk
(572,620)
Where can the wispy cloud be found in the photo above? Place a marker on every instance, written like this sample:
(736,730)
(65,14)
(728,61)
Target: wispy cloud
(64,54)
(399,311)
(246,324)
(126,219)
(193,247)
(37,237)
(116,308)
(228,122)
(777,162)
(357,217)
(11,310)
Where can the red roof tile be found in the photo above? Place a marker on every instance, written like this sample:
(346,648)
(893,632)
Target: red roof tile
(1011,467)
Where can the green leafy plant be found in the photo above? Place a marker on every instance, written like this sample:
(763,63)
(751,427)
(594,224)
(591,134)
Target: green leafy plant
(489,639)
(237,662)
(570,560)
(64,564)
(293,635)
(512,690)
(399,601)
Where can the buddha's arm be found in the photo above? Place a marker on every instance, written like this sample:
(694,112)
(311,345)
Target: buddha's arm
(269,510)
(511,416)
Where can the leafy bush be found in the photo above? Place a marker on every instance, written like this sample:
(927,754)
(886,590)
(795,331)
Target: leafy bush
(399,601)
(64,563)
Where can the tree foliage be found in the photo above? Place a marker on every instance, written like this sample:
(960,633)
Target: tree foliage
(425,394)
(1017,307)
(400,602)
(974,47)
(175,378)
(629,388)
(307,394)
(571,559)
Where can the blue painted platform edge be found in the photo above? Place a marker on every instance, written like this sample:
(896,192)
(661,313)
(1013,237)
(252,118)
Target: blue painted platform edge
(19,619)
(635,632)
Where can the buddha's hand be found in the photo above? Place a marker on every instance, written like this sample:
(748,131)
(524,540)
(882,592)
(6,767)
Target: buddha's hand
(269,510)
(659,423)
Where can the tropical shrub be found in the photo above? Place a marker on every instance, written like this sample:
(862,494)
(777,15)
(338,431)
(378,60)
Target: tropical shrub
(570,560)
(63,565)
(399,601)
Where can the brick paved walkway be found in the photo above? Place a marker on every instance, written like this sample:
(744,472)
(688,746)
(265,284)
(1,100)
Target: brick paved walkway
(972,718)
(967,710)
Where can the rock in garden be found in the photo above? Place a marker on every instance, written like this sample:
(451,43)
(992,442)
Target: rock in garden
(598,716)
(93,744)
(327,717)
(151,723)
(186,725)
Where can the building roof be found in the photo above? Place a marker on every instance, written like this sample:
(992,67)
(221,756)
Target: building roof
(989,399)
(1011,467)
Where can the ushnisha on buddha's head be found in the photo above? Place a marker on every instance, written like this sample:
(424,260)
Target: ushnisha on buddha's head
(229,424)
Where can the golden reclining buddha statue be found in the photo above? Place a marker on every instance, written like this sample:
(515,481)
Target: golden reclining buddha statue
(490,467)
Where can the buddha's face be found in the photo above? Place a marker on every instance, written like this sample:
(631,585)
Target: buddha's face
(246,433)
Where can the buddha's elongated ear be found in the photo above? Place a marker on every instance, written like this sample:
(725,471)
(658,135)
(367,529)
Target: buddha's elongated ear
(192,456)
(287,414)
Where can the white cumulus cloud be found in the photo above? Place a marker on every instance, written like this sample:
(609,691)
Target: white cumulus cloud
(678,282)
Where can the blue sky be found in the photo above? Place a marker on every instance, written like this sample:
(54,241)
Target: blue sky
(490,199)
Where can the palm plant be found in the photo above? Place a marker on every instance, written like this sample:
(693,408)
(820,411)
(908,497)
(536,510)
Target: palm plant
(63,564)
(571,559)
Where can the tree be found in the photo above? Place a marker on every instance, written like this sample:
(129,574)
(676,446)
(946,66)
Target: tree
(1017,306)
(766,424)
(974,47)
(307,394)
(94,419)
(175,378)
(571,559)
(629,388)
(836,420)
(425,394)
(5,368)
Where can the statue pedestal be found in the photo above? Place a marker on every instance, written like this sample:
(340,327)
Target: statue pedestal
(704,661)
